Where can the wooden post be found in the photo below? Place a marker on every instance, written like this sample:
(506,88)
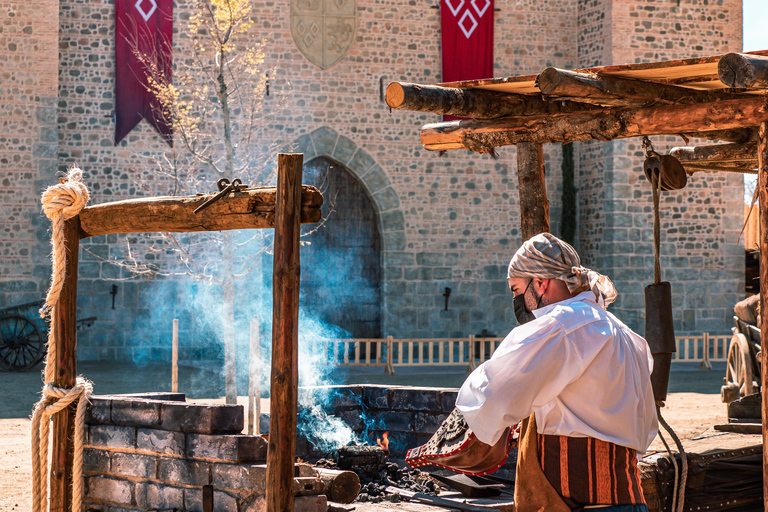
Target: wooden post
(762,187)
(64,323)
(254,377)
(534,205)
(285,319)
(175,357)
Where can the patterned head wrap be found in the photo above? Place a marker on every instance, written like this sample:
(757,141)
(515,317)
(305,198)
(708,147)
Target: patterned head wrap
(545,256)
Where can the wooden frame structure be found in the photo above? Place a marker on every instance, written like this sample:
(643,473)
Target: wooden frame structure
(284,208)
(719,98)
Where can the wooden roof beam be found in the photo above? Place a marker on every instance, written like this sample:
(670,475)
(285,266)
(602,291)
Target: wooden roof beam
(474,103)
(609,91)
(721,153)
(483,136)
(740,70)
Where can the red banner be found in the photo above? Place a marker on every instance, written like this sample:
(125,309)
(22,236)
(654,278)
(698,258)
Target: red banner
(143,39)
(467,40)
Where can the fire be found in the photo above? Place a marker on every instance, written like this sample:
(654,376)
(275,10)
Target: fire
(384,442)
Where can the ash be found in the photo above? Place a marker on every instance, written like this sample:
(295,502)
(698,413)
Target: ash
(374,484)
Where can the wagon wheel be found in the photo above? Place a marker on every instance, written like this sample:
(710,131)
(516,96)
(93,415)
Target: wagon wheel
(21,344)
(739,374)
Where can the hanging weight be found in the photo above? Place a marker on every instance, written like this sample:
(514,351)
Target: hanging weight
(660,335)
(673,176)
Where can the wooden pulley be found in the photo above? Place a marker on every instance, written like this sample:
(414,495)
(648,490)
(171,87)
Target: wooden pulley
(660,335)
(673,176)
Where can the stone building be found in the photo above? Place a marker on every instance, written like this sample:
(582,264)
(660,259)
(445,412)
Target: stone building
(429,222)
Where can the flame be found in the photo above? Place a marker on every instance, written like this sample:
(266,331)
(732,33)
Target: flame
(384,442)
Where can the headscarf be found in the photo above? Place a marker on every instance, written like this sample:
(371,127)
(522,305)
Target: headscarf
(545,256)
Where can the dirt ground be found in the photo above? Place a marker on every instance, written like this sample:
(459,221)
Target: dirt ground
(688,413)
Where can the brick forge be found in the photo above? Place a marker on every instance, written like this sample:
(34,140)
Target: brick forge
(154,451)
(157,452)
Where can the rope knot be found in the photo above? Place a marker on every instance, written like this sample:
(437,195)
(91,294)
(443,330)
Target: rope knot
(68,197)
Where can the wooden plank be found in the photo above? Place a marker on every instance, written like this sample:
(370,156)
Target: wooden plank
(534,205)
(247,209)
(716,153)
(285,319)
(64,324)
(483,136)
(762,186)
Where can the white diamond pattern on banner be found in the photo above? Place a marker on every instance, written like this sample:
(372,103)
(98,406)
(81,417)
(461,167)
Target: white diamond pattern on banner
(147,15)
(468,21)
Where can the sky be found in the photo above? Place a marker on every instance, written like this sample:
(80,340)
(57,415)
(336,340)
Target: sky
(755,38)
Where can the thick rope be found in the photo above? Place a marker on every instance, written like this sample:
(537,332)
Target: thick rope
(656,186)
(680,496)
(60,203)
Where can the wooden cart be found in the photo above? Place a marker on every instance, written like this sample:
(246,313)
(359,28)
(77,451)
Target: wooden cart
(742,375)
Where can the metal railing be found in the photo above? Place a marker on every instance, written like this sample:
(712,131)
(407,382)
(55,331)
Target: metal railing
(389,352)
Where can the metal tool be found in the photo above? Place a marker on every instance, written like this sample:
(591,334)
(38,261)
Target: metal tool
(225,187)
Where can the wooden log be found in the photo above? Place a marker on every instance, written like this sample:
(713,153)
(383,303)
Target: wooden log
(340,486)
(483,136)
(740,70)
(691,169)
(475,103)
(308,486)
(534,205)
(247,209)
(720,153)
(64,324)
(560,84)
(762,187)
(285,318)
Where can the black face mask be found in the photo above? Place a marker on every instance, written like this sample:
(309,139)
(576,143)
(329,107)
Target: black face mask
(521,312)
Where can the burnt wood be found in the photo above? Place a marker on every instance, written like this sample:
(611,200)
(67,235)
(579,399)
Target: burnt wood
(285,319)
(609,124)
(560,84)
(247,209)
(474,103)
(64,325)
(741,70)
(534,205)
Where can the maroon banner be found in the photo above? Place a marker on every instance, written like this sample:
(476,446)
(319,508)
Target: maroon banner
(467,40)
(143,40)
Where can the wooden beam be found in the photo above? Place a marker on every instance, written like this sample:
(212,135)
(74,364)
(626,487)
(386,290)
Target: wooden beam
(247,209)
(64,324)
(474,103)
(690,169)
(534,205)
(762,187)
(560,84)
(285,319)
(741,70)
(746,152)
(483,136)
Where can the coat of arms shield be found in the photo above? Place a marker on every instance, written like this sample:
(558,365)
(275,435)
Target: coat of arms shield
(324,29)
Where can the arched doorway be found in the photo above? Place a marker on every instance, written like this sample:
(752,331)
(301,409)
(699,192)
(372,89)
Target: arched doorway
(340,264)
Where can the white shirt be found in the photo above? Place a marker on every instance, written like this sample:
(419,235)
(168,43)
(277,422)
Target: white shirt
(581,370)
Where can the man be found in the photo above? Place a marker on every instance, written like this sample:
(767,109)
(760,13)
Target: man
(581,375)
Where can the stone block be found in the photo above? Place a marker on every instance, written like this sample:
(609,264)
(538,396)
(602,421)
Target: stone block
(111,490)
(425,422)
(136,412)
(134,465)
(415,399)
(240,477)
(224,502)
(360,162)
(304,145)
(430,259)
(393,240)
(401,259)
(98,411)
(180,471)
(227,448)
(344,149)
(96,461)
(112,436)
(375,180)
(375,397)
(386,199)
(448,399)
(159,497)
(203,419)
(154,395)
(352,418)
(160,441)
(392,221)
(324,140)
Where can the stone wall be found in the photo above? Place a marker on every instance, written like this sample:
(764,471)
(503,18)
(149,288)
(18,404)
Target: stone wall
(445,221)
(157,452)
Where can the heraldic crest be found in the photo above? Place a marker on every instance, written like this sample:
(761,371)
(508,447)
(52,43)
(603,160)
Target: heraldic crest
(324,29)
